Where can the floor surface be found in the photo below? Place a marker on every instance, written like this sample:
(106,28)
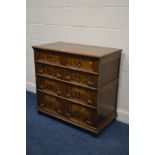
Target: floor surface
(48,136)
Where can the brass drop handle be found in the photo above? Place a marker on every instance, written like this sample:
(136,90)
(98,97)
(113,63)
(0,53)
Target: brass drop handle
(59,92)
(78,77)
(59,111)
(89,101)
(41,70)
(90,62)
(89,122)
(48,104)
(76,114)
(68,77)
(68,95)
(49,58)
(68,114)
(42,105)
(78,63)
(90,83)
(58,75)
(53,59)
(42,86)
(77,95)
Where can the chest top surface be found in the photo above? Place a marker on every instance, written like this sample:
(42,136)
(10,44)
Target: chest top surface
(79,49)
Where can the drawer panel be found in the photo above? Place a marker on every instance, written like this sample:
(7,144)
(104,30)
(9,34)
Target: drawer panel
(53,58)
(68,60)
(76,93)
(66,109)
(80,78)
(85,63)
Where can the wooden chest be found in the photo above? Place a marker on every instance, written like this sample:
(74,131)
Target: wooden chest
(77,83)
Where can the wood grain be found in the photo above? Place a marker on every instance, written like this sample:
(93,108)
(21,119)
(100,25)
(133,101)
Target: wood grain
(77,83)
(77,49)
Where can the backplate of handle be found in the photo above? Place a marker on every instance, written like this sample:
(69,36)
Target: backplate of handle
(42,86)
(41,70)
(89,101)
(68,114)
(89,122)
(59,111)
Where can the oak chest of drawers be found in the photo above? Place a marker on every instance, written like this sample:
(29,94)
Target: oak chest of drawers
(77,83)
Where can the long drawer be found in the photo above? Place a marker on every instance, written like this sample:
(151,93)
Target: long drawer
(68,91)
(69,60)
(67,109)
(75,77)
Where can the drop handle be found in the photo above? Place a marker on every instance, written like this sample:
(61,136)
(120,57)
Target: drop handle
(68,77)
(49,73)
(68,114)
(90,83)
(90,62)
(89,122)
(89,101)
(49,58)
(68,95)
(41,70)
(53,59)
(59,92)
(58,75)
(42,105)
(78,63)
(59,111)
(48,103)
(42,86)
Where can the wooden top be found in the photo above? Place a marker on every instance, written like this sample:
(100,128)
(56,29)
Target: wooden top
(79,49)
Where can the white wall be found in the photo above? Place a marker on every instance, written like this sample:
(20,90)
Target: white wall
(95,22)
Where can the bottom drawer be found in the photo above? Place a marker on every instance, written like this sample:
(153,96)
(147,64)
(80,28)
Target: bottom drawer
(72,111)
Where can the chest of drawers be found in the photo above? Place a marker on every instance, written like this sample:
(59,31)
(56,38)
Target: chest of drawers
(77,83)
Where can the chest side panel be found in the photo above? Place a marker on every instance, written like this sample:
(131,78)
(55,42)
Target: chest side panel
(108,85)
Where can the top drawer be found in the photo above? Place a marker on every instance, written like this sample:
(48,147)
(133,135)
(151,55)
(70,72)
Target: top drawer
(68,60)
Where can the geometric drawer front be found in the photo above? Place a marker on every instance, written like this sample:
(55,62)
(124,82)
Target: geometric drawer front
(75,77)
(67,109)
(76,93)
(83,63)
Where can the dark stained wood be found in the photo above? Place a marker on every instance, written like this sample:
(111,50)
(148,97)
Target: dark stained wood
(95,130)
(76,112)
(78,49)
(67,99)
(108,71)
(66,75)
(84,95)
(67,60)
(77,83)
